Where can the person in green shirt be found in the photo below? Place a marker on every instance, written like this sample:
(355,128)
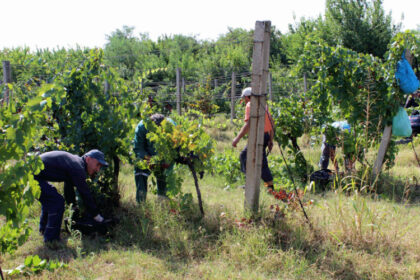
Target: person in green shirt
(144,150)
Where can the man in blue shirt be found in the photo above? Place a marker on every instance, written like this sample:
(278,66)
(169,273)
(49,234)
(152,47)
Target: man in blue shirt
(71,169)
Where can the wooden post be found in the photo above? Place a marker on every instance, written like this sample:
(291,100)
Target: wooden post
(232,98)
(386,138)
(305,83)
(257,114)
(178,91)
(270,86)
(7,79)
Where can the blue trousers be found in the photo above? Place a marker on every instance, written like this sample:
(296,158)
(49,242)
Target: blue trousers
(51,212)
(266,175)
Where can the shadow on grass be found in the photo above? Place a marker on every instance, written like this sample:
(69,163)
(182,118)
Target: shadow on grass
(400,191)
(387,187)
(179,236)
(314,247)
(176,236)
(56,251)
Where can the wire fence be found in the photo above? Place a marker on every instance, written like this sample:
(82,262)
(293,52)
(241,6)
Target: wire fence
(218,86)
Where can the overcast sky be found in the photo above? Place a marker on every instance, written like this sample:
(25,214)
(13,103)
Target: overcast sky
(63,23)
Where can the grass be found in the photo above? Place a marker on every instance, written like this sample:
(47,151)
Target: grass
(355,236)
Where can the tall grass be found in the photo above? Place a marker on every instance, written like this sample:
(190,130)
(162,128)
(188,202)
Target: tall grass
(355,236)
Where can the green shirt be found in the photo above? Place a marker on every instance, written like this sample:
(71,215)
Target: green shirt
(142,146)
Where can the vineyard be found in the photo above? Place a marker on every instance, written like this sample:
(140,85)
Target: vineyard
(361,224)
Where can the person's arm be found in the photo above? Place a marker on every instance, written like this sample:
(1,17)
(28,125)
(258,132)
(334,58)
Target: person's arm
(244,130)
(79,180)
(271,141)
(140,142)
(69,194)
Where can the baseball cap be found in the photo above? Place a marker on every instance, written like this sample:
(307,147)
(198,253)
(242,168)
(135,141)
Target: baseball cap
(98,155)
(246,92)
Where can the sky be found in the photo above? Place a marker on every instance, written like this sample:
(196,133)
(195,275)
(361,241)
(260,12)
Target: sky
(86,23)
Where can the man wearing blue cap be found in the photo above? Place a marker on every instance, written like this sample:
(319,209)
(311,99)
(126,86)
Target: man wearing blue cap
(71,169)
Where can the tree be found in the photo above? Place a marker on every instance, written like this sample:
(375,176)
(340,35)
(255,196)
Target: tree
(277,49)
(360,25)
(131,55)
(88,117)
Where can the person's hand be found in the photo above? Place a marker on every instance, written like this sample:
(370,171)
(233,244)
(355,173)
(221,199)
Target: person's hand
(235,142)
(98,218)
(147,159)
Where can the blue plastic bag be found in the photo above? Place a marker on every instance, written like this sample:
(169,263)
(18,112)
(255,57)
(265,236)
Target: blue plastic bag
(342,125)
(401,124)
(405,76)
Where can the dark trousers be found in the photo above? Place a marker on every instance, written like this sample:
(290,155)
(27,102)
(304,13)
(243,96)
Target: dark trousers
(52,211)
(266,175)
(140,178)
(327,153)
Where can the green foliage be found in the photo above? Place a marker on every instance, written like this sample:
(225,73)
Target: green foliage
(361,88)
(227,164)
(233,51)
(360,25)
(90,116)
(34,265)
(294,41)
(277,48)
(129,54)
(135,54)
(186,142)
(353,84)
(202,99)
(290,119)
(18,188)
(331,134)
(352,145)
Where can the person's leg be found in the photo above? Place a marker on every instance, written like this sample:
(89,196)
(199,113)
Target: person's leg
(43,219)
(266,174)
(160,182)
(53,208)
(141,185)
(242,159)
(325,156)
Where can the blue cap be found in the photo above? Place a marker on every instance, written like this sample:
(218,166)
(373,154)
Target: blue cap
(98,155)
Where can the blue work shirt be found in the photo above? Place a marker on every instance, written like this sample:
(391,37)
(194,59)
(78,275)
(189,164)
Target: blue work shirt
(65,167)
(142,146)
